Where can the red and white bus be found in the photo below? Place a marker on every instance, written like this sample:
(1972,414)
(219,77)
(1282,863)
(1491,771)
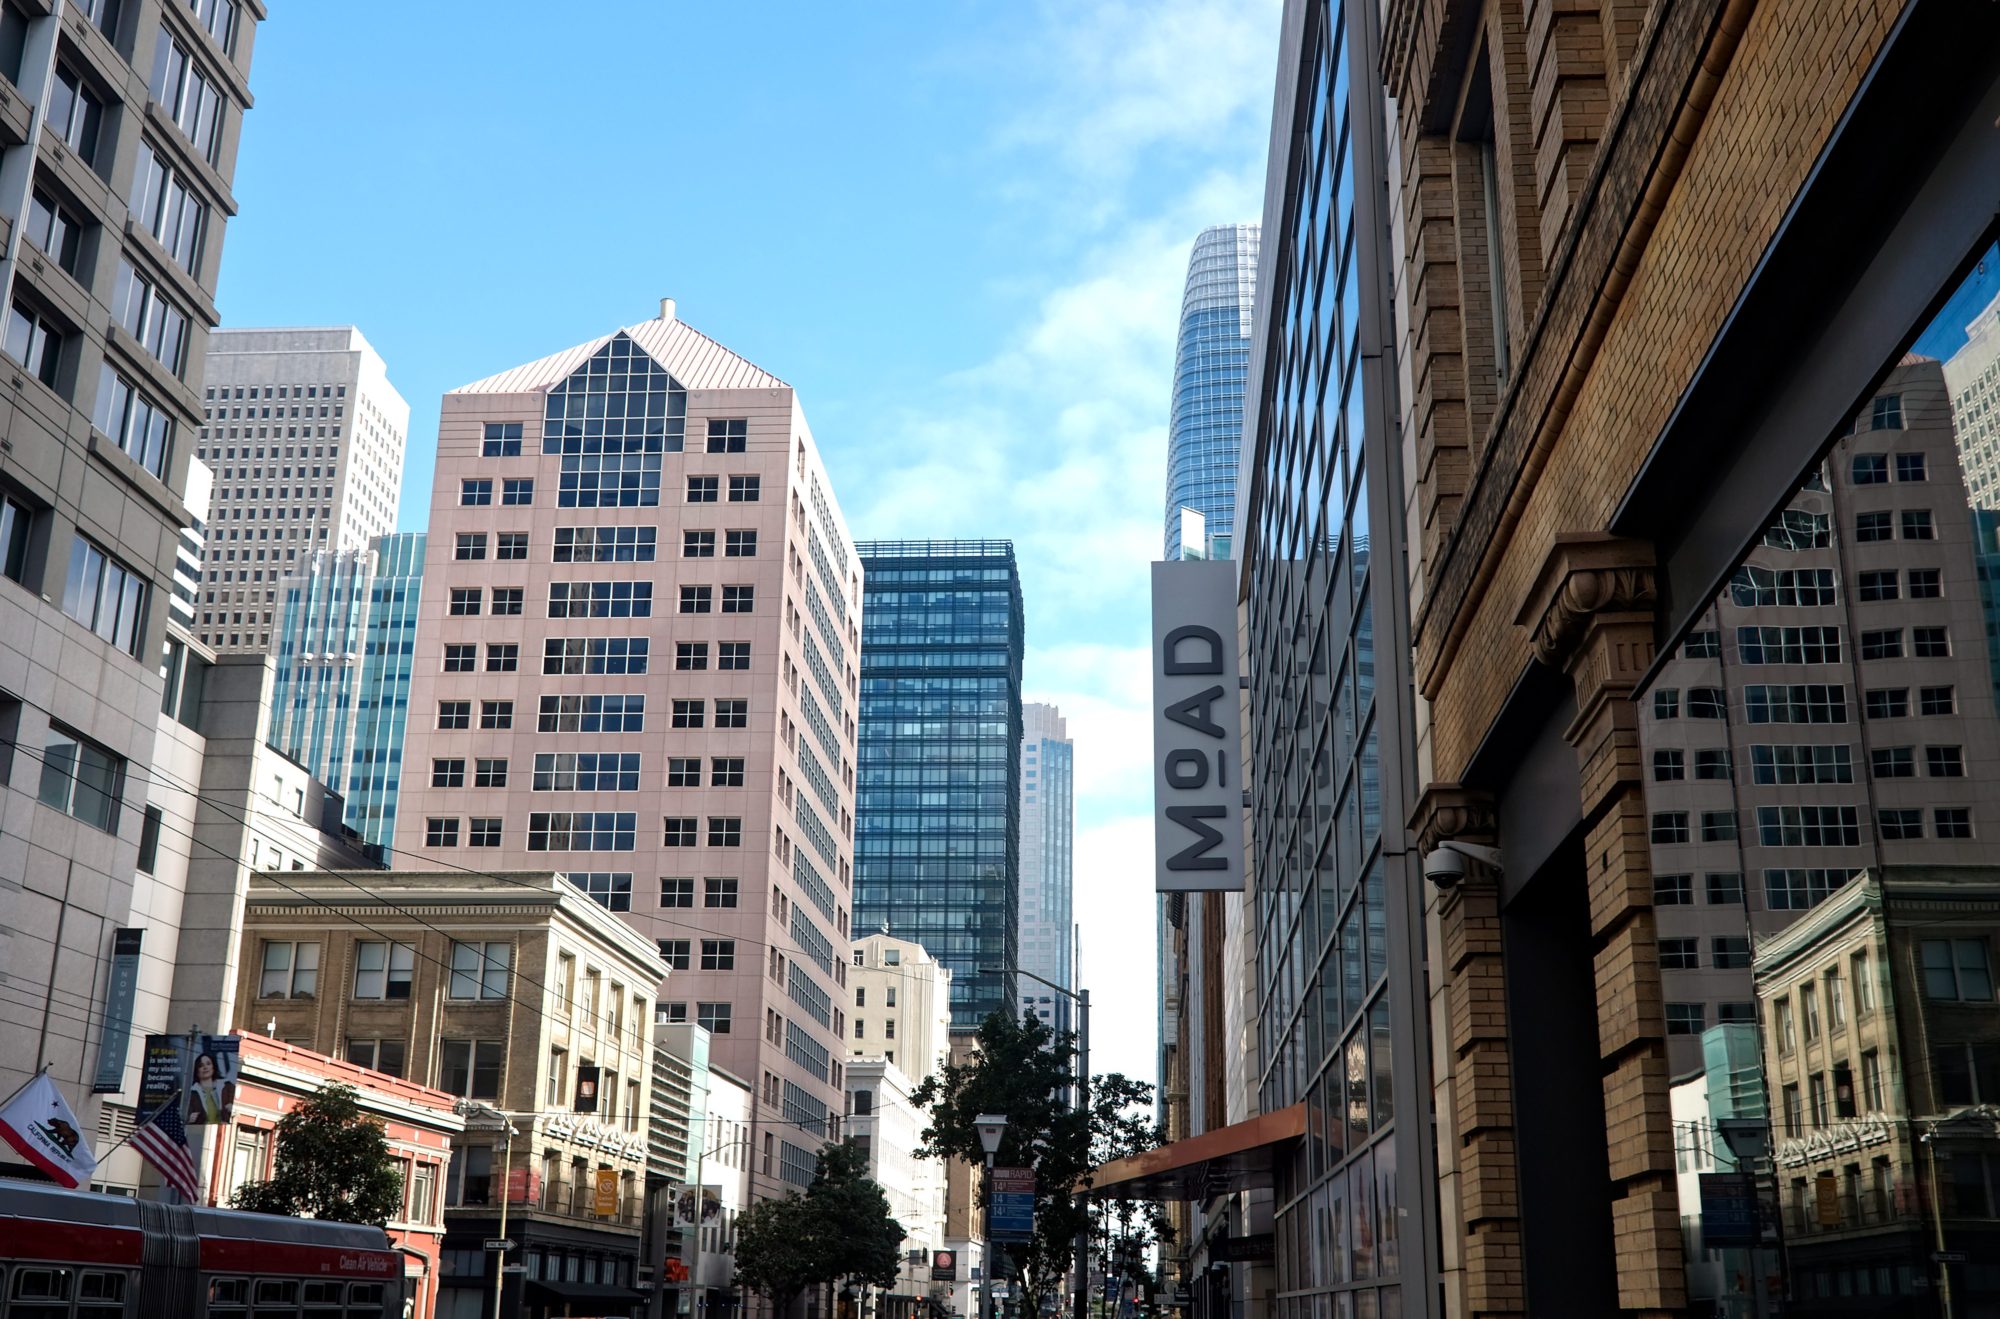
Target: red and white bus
(76,1255)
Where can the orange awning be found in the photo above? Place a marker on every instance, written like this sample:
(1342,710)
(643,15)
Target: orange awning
(1233,1158)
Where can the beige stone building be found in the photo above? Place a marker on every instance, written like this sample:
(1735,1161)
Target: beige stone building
(513,990)
(901,1005)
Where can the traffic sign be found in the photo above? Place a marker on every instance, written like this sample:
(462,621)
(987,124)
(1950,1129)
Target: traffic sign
(499,1243)
(1011,1214)
(1947,1257)
(515,1268)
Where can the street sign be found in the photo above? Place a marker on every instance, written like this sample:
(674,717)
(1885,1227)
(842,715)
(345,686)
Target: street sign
(1257,1246)
(499,1243)
(1011,1215)
(1947,1257)
(1728,1209)
(515,1268)
(605,1197)
(944,1266)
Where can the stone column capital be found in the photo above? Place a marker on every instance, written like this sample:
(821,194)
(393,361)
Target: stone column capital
(1588,577)
(1452,810)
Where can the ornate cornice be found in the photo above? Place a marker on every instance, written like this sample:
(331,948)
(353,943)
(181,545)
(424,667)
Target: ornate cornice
(1586,577)
(1451,810)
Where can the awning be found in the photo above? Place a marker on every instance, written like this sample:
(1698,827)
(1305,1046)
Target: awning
(579,1294)
(1233,1158)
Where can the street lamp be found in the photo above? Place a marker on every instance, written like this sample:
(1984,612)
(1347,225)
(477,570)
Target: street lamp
(991,1127)
(477,1108)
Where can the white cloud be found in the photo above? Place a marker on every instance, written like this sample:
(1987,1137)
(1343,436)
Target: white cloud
(1116,907)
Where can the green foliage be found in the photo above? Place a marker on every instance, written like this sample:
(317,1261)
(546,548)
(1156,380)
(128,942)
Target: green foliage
(332,1163)
(1026,1070)
(840,1228)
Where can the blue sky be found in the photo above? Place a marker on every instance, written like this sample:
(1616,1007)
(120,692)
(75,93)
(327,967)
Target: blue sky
(959,228)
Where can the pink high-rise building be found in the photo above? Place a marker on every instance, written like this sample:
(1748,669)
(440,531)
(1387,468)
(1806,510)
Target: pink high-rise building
(637,662)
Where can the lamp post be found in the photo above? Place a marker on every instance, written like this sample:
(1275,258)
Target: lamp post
(1081,997)
(479,1109)
(991,1127)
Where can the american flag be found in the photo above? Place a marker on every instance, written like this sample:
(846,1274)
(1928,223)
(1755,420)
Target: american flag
(163,1143)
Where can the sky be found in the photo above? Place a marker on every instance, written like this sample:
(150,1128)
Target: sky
(959,228)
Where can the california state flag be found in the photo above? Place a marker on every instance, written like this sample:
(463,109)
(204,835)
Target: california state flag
(43,1130)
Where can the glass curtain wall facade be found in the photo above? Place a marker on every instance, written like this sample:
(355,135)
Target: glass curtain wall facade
(1048,880)
(937,834)
(341,691)
(1336,899)
(1205,432)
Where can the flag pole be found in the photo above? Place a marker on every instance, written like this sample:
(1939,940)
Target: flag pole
(137,1127)
(15,1092)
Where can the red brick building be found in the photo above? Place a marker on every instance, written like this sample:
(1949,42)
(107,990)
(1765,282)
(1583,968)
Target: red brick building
(417,1119)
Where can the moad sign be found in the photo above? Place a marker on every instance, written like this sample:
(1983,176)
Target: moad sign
(1197,729)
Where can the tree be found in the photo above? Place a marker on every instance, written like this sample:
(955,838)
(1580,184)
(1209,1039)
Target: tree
(1025,1070)
(332,1163)
(840,1228)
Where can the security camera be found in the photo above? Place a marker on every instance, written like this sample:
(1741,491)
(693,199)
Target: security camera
(1445,865)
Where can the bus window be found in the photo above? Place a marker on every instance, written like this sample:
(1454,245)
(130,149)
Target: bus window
(276,1298)
(100,1294)
(364,1300)
(321,1299)
(41,1294)
(227,1297)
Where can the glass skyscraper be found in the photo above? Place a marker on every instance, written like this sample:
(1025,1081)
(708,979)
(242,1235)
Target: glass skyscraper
(1048,888)
(937,829)
(1205,432)
(346,631)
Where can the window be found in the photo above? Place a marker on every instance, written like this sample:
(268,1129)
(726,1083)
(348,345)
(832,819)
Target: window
(1871,469)
(1944,762)
(1917,524)
(1725,889)
(727,436)
(503,657)
(582,831)
(592,714)
(1794,1113)
(738,599)
(1680,954)
(1800,888)
(291,970)
(733,656)
(135,423)
(1809,826)
(1882,645)
(471,545)
(1836,1000)
(684,772)
(702,489)
(475,493)
(677,891)
(168,208)
(105,596)
(448,772)
(725,831)
(36,342)
(609,889)
(740,544)
(1887,702)
(744,489)
(697,544)
(460,657)
(714,1018)
(606,544)
(678,954)
(1795,703)
(502,439)
(682,831)
(1788,645)
(496,714)
(1667,703)
(1816,1089)
(512,545)
(187,97)
(1893,762)
(1785,1027)
(81,778)
(382,1055)
(1870,527)
(697,599)
(472,1068)
(587,771)
(74,114)
(441,831)
(1707,703)
(479,970)
(1929,643)
(1900,824)
(517,492)
(484,831)
(725,772)
(718,954)
(1673,890)
(1952,821)
(1809,1013)
(16,521)
(718,893)
(1718,826)
(1957,970)
(1864,984)
(1887,413)
(1926,584)
(732,713)
(454,714)
(1703,644)
(466,601)
(1685,1018)
(691,656)
(1879,586)
(614,655)
(1711,763)
(600,599)
(507,601)
(1796,530)
(1670,827)
(383,970)
(1751,586)
(688,713)
(1936,700)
